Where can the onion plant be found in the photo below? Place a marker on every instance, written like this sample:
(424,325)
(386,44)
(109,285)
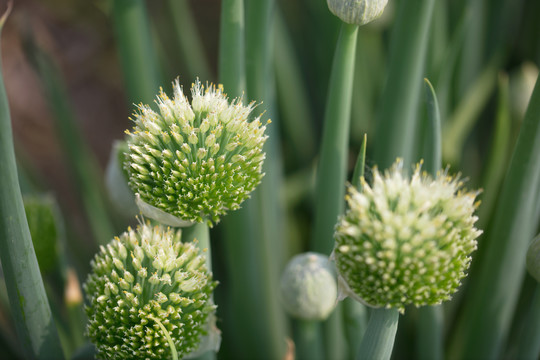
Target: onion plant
(324,180)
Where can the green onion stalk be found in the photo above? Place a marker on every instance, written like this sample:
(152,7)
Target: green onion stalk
(29,305)
(403,241)
(331,172)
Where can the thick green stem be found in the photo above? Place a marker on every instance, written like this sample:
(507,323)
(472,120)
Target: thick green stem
(308,340)
(201,233)
(529,345)
(396,121)
(355,320)
(137,55)
(29,305)
(430,332)
(378,341)
(332,169)
(232,73)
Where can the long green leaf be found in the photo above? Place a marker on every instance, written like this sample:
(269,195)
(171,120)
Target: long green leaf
(29,305)
(430,318)
(355,314)
(483,327)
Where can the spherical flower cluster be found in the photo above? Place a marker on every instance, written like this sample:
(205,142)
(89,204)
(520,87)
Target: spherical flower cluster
(148,295)
(308,287)
(405,241)
(195,161)
(357,12)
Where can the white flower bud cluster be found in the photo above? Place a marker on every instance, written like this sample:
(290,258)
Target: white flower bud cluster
(142,277)
(405,241)
(195,161)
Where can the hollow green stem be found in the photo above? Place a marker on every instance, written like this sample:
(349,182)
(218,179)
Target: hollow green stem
(331,173)
(201,233)
(378,341)
(430,332)
(232,72)
(29,305)
(308,340)
(355,320)
(137,56)
(529,345)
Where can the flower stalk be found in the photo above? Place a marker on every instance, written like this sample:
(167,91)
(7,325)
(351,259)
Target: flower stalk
(30,308)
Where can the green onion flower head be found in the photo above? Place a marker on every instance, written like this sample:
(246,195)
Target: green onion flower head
(308,286)
(148,296)
(533,258)
(193,162)
(405,241)
(357,12)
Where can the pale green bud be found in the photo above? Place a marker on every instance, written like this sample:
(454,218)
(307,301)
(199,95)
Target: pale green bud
(358,12)
(308,287)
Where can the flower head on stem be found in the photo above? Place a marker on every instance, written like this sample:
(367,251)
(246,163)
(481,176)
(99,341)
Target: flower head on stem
(194,162)
(141,283)
(358,12)
(405,241)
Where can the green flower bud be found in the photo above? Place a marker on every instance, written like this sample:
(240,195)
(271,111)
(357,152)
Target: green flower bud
(133,315)
(533,258)
(194,162)
(405,241)
(357,12)
(308,287)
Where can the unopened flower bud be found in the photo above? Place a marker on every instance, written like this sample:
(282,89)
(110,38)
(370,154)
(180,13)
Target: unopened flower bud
(308,287)
(357,12)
